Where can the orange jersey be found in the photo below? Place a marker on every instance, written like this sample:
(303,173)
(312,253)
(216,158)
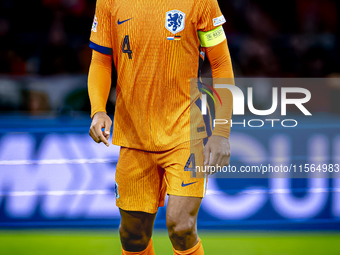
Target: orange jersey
(156,51)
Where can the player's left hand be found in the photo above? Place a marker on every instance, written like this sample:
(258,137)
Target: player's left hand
(219,148)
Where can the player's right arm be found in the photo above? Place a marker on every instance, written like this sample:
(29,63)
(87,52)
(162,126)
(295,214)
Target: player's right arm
(99,84)
(99,80)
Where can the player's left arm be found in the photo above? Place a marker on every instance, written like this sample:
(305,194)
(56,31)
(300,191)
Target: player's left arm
(217,149)
(213,39)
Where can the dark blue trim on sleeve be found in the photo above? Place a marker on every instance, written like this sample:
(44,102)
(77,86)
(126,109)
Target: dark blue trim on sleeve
(101,49)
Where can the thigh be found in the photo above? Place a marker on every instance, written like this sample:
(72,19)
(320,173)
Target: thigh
(135,226)
(139,182)
(138,222)
(180,164)
(181,221)
(182,209)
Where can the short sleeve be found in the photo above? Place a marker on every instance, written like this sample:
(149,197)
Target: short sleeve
(100,39)
(211,16)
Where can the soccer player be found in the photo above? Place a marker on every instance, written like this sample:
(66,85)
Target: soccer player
(156,47)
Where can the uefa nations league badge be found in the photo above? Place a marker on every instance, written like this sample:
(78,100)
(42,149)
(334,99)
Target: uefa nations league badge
(175,21)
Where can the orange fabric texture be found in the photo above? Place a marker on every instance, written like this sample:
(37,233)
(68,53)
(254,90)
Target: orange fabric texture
(143,178)
(196,250)
(148,251)
(222,72)
(154,69)
(99,81)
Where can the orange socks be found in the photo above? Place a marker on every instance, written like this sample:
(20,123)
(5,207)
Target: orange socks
(196,250)
(148,251)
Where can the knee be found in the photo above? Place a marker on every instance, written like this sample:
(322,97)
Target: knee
(133,239)
(181,231)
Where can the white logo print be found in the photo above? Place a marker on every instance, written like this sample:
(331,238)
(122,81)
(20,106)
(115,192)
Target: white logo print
(219,21)
(95,24)
(175,21)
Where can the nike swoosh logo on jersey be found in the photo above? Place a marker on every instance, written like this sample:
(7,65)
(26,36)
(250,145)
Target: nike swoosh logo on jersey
(121,22)
(184,185)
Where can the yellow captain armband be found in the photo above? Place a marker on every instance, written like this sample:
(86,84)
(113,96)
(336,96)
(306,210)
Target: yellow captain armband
(212,37)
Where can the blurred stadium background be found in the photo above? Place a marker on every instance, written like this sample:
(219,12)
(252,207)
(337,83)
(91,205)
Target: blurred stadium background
(52,176)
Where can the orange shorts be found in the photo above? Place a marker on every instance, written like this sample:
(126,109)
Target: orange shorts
(143,178)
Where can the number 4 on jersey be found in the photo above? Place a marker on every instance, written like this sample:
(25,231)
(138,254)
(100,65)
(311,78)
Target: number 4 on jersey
(191,161)
(126,46)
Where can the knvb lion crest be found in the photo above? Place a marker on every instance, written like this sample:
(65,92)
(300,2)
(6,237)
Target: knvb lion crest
(175,21)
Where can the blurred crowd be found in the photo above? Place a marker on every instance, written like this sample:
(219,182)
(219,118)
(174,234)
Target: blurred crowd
(266,38)
(45,36)
(283,38)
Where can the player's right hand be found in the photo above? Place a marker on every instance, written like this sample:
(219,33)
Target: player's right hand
(101,120)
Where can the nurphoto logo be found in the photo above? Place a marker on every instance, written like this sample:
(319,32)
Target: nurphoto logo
(239,105)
